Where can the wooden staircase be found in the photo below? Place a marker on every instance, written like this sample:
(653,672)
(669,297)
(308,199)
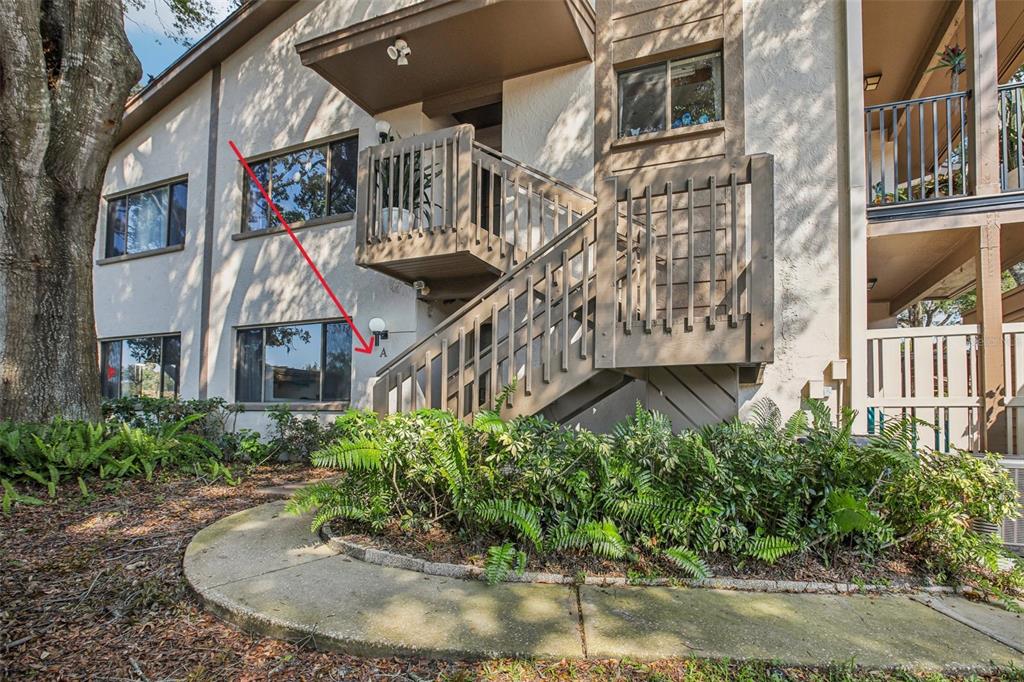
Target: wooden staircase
(673,267)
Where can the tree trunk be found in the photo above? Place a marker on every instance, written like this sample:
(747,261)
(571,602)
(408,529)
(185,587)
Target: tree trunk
(66,68)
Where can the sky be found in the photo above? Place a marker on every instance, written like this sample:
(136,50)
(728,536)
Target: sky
(147,30)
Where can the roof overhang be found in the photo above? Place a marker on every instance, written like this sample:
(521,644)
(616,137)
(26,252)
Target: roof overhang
(456,45)
(229,35)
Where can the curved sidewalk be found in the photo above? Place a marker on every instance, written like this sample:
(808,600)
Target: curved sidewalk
(263,570)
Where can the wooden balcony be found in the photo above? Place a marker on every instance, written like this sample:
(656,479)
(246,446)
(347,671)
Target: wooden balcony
(445,210)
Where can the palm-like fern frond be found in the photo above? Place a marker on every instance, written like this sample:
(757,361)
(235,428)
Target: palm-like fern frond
(602,537)
(770,548)
(358,454)
(688,560)
(515,514)
(502,560)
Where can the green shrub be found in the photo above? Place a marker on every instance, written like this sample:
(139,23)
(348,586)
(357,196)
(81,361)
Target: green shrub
(47,454)
(293,438)
(758,490)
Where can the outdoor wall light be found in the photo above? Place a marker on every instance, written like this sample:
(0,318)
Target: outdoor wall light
(399,52)
(871,81)
(383,130)
(379,328)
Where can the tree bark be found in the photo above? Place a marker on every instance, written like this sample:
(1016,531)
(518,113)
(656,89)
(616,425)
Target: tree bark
(66,68)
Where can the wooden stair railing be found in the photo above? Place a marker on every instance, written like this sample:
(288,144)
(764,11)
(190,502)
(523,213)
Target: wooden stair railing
(673,267)
(533,328)
(692,265)
(442,193)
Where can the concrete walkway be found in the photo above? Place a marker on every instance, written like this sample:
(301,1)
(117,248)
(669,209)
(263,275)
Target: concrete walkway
(263,570)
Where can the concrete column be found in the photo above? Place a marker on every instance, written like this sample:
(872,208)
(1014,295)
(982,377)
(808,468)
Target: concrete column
(991,377)
(854,219)
(983,81)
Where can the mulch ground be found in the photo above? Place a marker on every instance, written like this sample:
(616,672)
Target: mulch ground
(93,589)
(444,545)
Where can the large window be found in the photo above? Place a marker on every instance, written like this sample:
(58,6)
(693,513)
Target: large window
(673,94)
(307,184)
(143,366)
(146,220)
(294,363)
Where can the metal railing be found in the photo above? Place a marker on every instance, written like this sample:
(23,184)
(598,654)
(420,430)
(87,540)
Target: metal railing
(1011,155)
(917,149)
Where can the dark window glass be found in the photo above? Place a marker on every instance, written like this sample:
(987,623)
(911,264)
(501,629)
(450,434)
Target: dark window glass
(343,176)
(176,222)
(696,90)
(642,100)
(298,184)
(680,93)
(170,366)
(249,374)
(294,363)
(110,369)
(337,361)
(147,220)
(257,211)
(140,367)
(291,369)
(115,227)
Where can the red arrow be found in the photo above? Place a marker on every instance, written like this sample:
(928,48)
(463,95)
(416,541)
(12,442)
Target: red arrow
(364,347)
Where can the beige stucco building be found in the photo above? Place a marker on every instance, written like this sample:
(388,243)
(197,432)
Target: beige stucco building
(694,205)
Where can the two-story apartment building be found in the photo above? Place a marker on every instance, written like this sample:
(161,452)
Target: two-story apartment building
(693,204)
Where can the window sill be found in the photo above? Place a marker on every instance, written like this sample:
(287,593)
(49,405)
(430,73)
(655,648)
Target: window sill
(684,133)
(316,222)
(332,406)
(144,254)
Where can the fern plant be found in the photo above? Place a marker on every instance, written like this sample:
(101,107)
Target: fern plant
(502,560)
(689,562)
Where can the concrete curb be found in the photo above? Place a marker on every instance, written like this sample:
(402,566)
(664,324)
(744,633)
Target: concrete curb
(372,555)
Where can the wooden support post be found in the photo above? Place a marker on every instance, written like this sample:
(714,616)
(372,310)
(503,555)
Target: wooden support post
(605,328)
(983,81)
(991,378)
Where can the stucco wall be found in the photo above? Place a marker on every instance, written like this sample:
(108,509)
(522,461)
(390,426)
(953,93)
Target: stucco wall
(548,122)
(160,294)
(269,101)
(792,52)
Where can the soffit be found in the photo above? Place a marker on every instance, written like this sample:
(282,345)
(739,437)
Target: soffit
(455,45)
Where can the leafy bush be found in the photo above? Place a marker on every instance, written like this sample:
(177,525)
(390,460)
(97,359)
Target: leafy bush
(293,438)
(754,491)
(47,454)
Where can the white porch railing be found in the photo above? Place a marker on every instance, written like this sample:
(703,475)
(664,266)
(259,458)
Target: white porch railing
(931,374)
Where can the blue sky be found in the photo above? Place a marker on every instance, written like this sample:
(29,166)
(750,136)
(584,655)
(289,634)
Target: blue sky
(147,30)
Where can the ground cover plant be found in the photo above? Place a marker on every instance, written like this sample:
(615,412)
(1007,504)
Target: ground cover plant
(752,491)
(140,436)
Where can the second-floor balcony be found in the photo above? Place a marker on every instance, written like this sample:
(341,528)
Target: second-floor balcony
(919,150)
(452,214)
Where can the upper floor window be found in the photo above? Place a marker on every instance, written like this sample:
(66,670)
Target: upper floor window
(672,94)
(294,363)
(150,219)
(142,366)
(306,184)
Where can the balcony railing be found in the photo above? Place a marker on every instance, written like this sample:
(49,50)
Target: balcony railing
(444,195)
(917,149)
(1011,156)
